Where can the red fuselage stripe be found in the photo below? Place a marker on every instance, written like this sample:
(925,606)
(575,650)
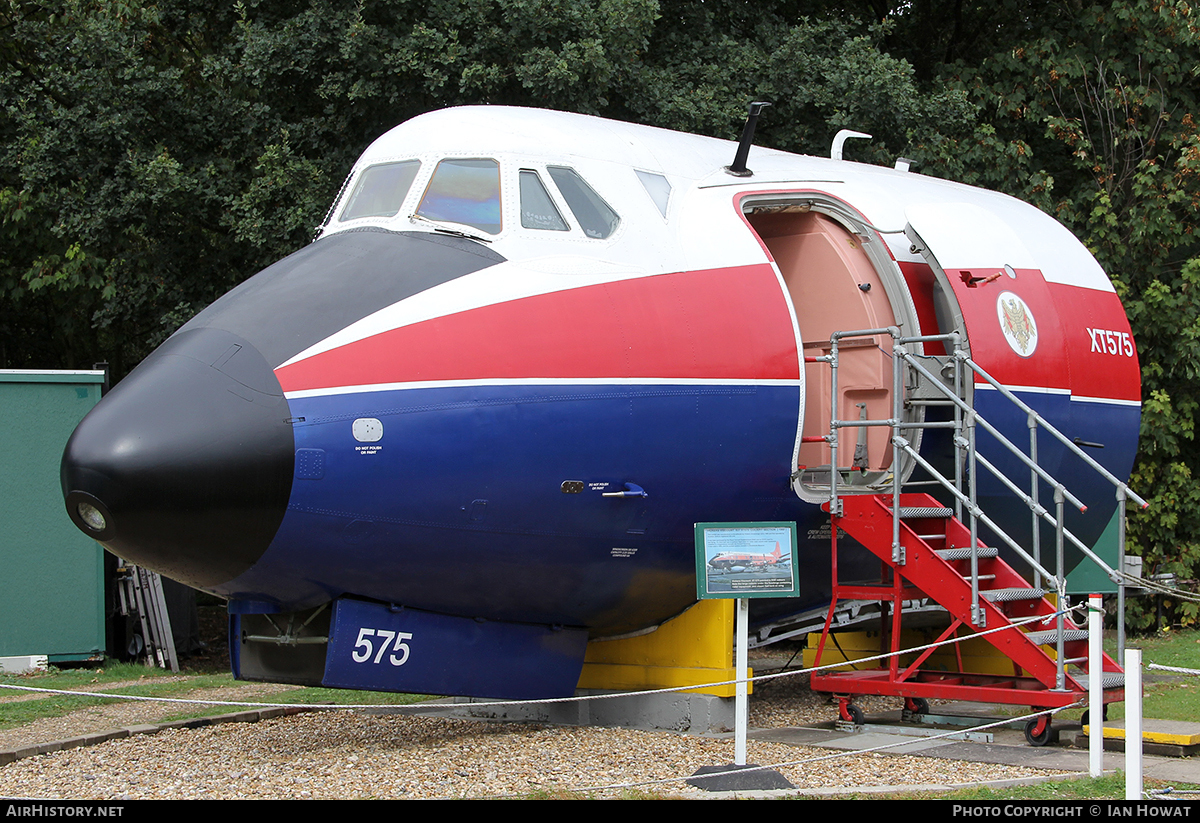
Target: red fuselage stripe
(729,323)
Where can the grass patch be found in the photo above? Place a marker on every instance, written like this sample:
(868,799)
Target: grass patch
(1111,787)
(1083,788)
(1165,696)
(624,794)
(156,683)
(1168,648)
(73,678)
(148,683)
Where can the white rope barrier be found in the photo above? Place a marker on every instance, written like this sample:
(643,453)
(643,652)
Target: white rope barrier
(1177,669)
(1169,792)
(1133,581)
(425,707)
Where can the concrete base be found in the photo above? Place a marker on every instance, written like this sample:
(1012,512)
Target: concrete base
(675,711)
(24,663)
(734,778)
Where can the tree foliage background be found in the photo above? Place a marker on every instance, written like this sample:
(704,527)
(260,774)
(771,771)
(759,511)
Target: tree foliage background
(154,155)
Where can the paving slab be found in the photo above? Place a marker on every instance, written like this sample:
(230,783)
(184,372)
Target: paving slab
(1008,747)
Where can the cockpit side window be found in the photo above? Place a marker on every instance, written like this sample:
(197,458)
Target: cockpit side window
(593,214)
(380,190)
(465,191)
(537,209)
(658,187)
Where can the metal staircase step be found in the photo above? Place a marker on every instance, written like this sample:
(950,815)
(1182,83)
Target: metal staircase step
(1108,680)
(1045,638)
(964,553)
(925,511)
(1018,593)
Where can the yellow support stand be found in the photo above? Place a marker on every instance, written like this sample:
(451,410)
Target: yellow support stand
(694,648)
(979,656)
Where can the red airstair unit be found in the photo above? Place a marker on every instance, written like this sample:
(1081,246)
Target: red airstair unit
(926,555)
(937,547)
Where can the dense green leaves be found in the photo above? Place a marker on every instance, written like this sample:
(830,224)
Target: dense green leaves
(156,155)
(1092,117)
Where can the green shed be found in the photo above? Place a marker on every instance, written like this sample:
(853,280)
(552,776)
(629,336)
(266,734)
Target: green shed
(53,581)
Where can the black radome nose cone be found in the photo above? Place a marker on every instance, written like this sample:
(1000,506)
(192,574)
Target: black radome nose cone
(186,466)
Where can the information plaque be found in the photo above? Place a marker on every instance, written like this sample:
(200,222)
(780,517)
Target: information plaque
(746,560)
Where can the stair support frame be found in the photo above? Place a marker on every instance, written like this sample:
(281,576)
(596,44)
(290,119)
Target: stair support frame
(965,424)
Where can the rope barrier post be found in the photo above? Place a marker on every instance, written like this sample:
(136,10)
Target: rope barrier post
(1095,685)
(741,705)
(1133,724)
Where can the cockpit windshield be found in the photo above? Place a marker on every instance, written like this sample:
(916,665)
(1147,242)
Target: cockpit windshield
(380,190)
(465,191)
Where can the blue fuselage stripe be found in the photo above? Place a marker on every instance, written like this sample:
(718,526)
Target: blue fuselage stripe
(488,500)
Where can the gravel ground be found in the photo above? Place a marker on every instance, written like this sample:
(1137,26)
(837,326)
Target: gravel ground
(359,755)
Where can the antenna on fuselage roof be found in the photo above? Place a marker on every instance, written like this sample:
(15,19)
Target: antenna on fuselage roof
(839,140)
(738,168)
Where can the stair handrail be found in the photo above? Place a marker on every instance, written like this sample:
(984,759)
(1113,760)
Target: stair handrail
(1008,444)
(978,512)
(1078,452)
(1121,487)
(967,417)
(1123,492)
(900,352)
(1044,513)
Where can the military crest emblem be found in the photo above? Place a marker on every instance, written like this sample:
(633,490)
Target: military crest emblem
(1016,321)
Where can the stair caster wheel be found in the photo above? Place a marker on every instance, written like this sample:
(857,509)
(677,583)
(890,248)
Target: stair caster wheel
(849,713)
(1038,731)
(915,707)
(1083,721)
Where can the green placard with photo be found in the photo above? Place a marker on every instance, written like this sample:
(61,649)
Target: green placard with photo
(746,560)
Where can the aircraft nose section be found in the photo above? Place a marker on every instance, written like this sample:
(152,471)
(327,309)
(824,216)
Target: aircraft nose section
(186,466)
